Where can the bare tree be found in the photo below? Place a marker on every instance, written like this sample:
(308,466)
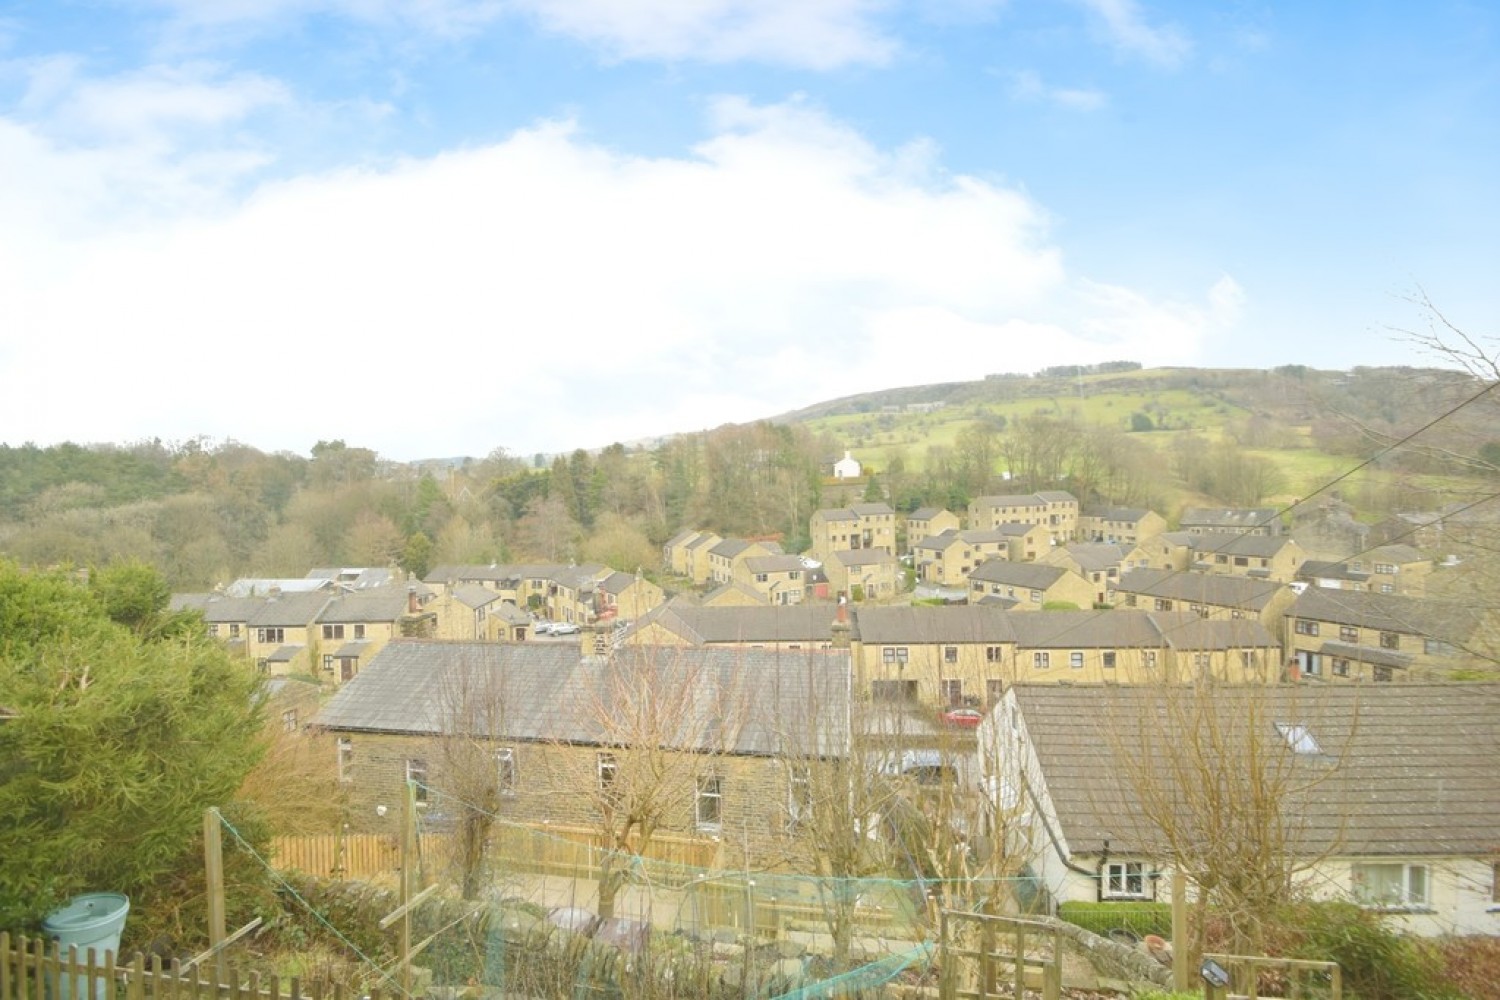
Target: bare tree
(661,721)
(477,768)
(1212,781)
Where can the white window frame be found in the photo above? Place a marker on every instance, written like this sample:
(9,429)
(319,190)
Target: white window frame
(1075,660)
(345,759)
(798,793)
(708,794)
(1041,660)
(1126,880)
(1413,891)
(607,772)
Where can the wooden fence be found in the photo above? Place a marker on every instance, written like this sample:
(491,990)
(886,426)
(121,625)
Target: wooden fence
(37,969)
(544,850)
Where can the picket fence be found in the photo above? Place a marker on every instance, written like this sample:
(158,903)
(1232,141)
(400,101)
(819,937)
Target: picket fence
(38,969)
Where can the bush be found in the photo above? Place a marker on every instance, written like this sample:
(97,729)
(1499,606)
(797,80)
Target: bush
(1138,918)
(1378,962)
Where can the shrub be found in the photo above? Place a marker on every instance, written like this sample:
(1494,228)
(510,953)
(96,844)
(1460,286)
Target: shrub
(1378,963)
(1138,918)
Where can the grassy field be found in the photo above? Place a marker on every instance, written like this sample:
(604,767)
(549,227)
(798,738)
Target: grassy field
(880,434)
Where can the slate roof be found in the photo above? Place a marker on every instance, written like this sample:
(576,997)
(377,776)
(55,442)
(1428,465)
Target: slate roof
(871,509)
(1320,569)
(808,623)
(729,548)
(383,604)
(1096,556)
(288,610)
(1010,500)
(925,513)
(836,514)
(703,539)
(914,625)
(1033,576)
(1388,613)
(474,595)
(756,701)
(1130,515)
(1404,769)
(773,564)
(1233,518)
(1218,589)
(1256,546)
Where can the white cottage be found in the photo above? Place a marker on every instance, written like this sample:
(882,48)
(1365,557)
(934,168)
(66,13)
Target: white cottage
(847,467)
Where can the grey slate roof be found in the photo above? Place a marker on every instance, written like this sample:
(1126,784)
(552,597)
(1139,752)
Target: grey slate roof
(1096,556)
(1128,514)
(1232,518)
(475,595)
(1218,589)
(1033,576)
(864,557)
(808,623)
(1256,546)
(925,513)
(773,564)
(1405,768)
(1451,622)
(871,509)
(913,625)
(288,610)
(381,604)
(1321,569)
(753,700)
(729,548)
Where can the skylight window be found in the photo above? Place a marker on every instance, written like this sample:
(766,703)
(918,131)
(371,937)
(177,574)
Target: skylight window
(1298,737)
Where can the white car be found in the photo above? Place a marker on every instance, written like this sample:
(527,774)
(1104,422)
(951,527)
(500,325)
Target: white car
(565,628)
(542,628)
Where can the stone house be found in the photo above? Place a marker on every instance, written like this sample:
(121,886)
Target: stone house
(1205,594)
(1346,635)
(1055,510)
(1028,586)
(1119,525)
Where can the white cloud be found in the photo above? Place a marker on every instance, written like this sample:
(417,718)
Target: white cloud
(817,34)
(541,293)
(1027,85)
(1125,26)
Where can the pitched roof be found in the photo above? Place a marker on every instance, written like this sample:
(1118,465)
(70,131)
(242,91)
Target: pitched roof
(381,604)
(729,548)
(1033,576)
(806,623)
(1403,769)
(871,509)
(1321,569)
(1452,622)
(475,595)
(748,701)
(925,513)
(288,610)
(1239,518)
(919,624)
(1218,589)
(1259,546)
(1128,514)
(1092,556)
(773,564)
(864,557)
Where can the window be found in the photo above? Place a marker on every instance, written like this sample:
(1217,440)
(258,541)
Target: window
(263,664)
(1381,675)
(1348,633)
(1390,640)
(1221,559)
(333,631)
(761,577)
(1162,604)
(359,631)
(328,662)
(346,759)
(1148,659)
(1041,661)
(289,720)
(608,770)
(1124,879)
(1340,667)
(992,654)
(505,770)
(416,774)
(952,692)
(1198,610)
(994,690)
(709,805)
(1387,588)
(1305,627)
(1130,600)
(1075,660)
(1437,647)
(798,794)
(1243,561)
(1386,569)
(1391,885)
(950,654)
(893,654)
(234,631)
(1298,737)
(276,635)
(1109,659)
(213,630)
(1036,597)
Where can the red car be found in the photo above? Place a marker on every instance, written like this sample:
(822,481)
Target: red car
(966,717)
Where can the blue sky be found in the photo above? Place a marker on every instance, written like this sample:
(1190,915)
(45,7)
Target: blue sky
(437,227)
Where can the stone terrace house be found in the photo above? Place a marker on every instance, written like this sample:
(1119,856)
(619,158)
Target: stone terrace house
(277,632)
(864,574)
(778,579)
(1265,557)
(945,656)
(1205,594)
(679,623)
(1119,525)
(555,591)
(354,627)
(725,558)
(1101,563)
(1394,569)
(1028,586)
(947,558)
(1385,805)
(925,522)
(1230,521)
(1352,635)
(1055,510)
(566,737)
(844,529)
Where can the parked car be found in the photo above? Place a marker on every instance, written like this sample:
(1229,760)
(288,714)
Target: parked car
(965,717)
(565,628)
(542,628)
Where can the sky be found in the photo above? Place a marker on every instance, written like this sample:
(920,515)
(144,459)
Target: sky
(441,227)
